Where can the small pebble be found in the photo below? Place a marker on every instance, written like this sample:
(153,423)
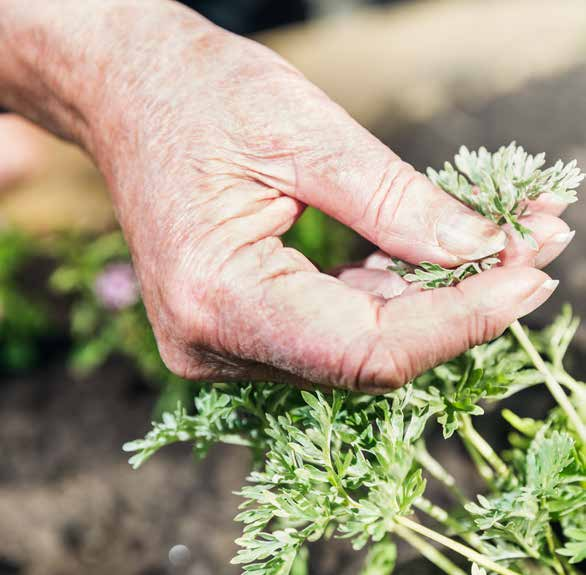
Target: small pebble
(179,556)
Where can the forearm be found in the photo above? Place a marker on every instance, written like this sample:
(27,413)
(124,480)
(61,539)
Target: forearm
(41,58)
(67,64)
(122,78)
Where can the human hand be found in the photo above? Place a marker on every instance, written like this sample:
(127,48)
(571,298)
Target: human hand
(212,146)
(550,237)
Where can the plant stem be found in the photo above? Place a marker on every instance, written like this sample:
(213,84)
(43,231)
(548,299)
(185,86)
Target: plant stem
(463,550)
(437,471)
(434,511)
(484,470)
(576,387)
(552,384)
(332,475)
(570,569)
(443,517)
(556,563)
(428,551)
(483,447)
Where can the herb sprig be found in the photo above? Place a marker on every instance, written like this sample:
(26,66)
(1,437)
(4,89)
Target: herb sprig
(499,186)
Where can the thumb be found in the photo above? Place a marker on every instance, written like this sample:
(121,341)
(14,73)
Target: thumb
(352,176)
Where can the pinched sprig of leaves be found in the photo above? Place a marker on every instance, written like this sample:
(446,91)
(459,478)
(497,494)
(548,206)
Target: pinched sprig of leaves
(431,275)
(499,186)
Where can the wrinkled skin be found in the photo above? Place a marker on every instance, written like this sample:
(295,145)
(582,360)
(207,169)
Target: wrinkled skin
(212,146)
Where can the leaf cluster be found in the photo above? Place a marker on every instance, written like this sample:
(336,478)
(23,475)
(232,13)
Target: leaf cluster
(500,186)
(347,465)
(548,488)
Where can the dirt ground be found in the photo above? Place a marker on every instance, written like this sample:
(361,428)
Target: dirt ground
(69,503)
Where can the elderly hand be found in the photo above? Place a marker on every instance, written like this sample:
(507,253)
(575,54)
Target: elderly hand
(212,145)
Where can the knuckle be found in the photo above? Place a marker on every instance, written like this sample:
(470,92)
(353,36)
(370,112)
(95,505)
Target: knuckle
(182,311)
(178,317)
(480,327)
(390,193)
(377,360)
(174,358)
(401,368)
(378,368)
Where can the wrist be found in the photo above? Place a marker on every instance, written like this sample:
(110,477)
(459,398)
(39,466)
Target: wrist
(69,66)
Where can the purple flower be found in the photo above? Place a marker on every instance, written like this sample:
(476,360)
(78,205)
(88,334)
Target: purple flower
(116,287)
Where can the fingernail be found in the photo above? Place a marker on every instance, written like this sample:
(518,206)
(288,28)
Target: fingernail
(468,236)
(553,247)
(539,296)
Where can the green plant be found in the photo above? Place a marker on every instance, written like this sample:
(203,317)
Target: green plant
(355,466)
(23,319)
(325,241)
(106,313)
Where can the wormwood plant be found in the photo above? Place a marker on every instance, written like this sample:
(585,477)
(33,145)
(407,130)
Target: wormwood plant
(355,466)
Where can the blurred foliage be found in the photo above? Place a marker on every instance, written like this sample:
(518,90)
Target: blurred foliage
(326,242)
(97,332)
(23,320)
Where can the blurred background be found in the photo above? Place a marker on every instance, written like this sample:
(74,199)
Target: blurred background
(79,370)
